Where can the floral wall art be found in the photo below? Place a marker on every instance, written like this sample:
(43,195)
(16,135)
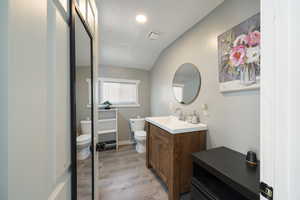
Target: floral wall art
(239,56)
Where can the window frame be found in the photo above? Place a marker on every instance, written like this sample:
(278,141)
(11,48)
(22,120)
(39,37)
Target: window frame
(100,82)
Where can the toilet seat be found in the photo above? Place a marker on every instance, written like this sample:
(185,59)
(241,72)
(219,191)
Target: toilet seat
(82,139)
(140,135)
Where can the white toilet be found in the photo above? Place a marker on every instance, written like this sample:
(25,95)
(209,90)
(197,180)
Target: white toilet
(137,127)
(84,140)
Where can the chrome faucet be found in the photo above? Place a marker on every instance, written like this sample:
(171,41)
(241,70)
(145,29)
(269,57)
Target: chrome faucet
(180,114)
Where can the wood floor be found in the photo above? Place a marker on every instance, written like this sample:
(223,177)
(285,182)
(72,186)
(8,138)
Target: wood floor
(84,179)
(123,175)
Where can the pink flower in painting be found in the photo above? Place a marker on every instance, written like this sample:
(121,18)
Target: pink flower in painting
(254,38)
(237,55)
(241,40)
(253,54)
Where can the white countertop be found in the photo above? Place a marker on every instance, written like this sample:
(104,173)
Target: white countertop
(175,126)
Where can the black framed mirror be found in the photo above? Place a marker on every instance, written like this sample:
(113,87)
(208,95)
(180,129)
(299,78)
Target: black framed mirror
(82,117)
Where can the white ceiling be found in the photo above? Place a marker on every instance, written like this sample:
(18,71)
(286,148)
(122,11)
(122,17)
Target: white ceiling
(124,42)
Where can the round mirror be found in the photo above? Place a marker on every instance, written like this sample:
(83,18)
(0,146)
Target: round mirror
(186,83)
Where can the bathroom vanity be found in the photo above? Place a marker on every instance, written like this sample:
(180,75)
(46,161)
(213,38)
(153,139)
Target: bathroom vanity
(170,144)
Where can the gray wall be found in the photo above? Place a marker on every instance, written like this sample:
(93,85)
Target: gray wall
(233,119)
(144,95)
(82,95)
(3,100)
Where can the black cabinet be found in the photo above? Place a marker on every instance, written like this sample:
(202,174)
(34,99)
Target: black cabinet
(222,174)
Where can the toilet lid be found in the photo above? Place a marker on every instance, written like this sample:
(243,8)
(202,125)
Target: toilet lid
(83,138)
(140,133)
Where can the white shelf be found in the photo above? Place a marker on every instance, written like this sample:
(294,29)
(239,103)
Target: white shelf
(107,131)
(109,124)
(107,120)
(110,110)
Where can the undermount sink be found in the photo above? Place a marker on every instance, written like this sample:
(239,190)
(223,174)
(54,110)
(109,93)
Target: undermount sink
(174,125)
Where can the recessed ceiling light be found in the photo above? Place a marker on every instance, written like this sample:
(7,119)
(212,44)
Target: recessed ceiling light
(141,19)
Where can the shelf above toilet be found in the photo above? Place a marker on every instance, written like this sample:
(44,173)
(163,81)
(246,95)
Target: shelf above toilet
(106,131)
(107,120)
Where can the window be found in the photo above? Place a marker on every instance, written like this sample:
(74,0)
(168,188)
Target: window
(178,91)
(119,92)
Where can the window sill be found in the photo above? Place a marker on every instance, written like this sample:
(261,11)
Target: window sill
(127,106)
(118,106)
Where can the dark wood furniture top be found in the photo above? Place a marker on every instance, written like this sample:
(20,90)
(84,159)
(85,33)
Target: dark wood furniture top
(230,167)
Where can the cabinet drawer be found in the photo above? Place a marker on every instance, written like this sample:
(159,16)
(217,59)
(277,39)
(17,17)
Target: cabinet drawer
(153,130)
(163,135)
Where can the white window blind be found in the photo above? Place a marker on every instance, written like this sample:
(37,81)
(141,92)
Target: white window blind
(119,92)
(178,92)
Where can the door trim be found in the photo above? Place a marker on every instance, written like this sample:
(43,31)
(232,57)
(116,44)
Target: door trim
(74,10)
(275,96)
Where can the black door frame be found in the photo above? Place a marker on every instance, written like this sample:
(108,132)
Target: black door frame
(74,10)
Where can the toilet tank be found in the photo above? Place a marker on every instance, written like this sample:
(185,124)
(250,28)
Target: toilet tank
(137,124)
(86,127)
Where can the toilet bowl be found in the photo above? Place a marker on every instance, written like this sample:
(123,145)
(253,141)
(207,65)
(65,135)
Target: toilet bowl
(137,127)
(84,140)
(140,137)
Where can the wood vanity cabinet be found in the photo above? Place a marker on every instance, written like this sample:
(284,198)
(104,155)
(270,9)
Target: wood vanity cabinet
(169,155)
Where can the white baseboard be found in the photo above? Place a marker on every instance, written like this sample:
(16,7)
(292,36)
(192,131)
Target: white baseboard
(125,142)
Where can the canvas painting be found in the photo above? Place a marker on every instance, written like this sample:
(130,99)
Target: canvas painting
(239,56)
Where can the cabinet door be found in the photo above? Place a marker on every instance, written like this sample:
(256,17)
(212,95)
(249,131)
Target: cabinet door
(151,147)
(154,147)
(153,153)
(164,160)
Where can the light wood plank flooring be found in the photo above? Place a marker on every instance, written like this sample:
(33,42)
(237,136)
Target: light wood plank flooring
(123,175)
(84,179)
